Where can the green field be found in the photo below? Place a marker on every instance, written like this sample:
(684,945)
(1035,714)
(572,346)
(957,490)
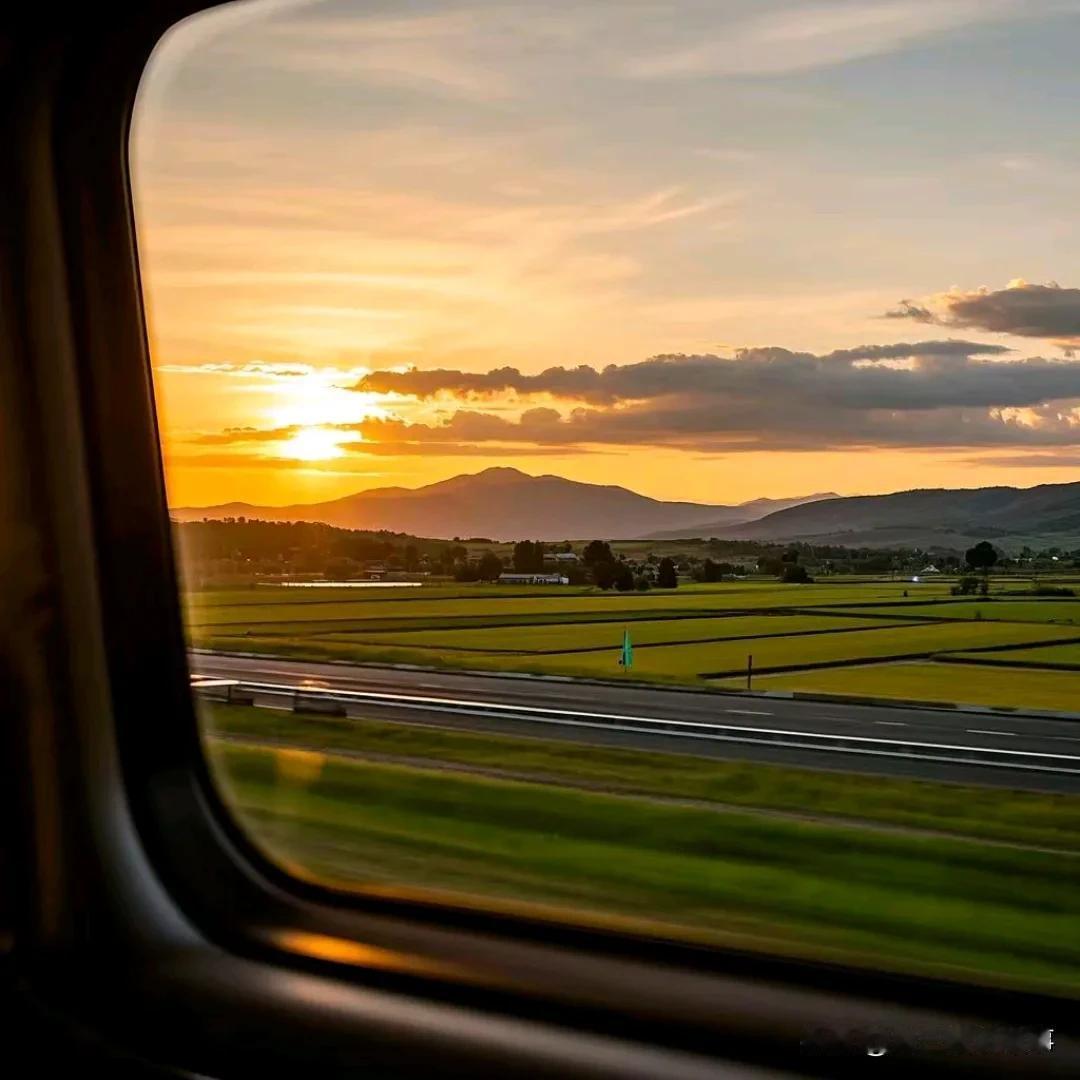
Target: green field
(1049,610)
(828,636)
(297,605)
(780,652)
(973,684)
(1049,655)
(563,636)
(686,663)
(276,594)
(414,809)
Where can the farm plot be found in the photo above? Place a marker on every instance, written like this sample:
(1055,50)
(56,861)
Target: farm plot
(582,637)
(305,617)
(682,661)
(298,606)
(382,630)
(964,684)
(270,596)
(1065,612)
(1065,655)
(824,635)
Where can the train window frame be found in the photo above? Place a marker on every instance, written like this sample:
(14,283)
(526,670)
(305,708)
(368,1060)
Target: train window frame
(157,858)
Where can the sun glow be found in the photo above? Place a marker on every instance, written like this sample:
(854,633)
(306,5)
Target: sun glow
(314,444)
(322,396)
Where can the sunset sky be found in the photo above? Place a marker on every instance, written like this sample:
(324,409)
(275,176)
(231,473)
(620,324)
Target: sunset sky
(707,250)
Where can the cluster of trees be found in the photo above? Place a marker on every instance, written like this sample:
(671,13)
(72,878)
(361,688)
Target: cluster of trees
(786,567)
(234,547)
(608,571)
(529,557)
(979,558)
(239,549)
(710,571)
(487,568)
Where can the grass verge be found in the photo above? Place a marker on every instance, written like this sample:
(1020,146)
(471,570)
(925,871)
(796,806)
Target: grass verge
(1044,820)
(945,906)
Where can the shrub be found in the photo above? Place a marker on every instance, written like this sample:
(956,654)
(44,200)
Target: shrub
(1051,590)
(966,586)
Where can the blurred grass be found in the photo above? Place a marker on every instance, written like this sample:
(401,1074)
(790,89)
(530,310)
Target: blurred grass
(916,903)
(1044,820)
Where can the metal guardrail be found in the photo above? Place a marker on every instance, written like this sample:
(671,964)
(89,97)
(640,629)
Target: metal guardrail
(340,702)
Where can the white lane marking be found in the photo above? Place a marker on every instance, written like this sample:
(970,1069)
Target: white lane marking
(988,731)
(743,740)
(891,723)
(747,712)
(705,730)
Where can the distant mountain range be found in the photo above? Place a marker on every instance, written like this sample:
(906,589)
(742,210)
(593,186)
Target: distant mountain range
(507,504)
(927,518)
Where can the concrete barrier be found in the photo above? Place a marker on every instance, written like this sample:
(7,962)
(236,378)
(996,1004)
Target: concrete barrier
(866,699)
(319,706)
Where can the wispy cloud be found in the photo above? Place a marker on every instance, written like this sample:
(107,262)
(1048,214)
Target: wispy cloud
(437,51)
(803,36)
(1034,460)
(241,435)
(252,370)
(241,461)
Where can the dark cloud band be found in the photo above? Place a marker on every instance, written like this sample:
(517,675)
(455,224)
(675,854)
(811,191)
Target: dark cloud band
(941,394)
(926,375)
(1026,310)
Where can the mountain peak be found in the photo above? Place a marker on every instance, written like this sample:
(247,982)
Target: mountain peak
(497,472)
(496,476)
(505,503)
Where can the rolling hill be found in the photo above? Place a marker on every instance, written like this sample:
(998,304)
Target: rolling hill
(504,504)
(925,518)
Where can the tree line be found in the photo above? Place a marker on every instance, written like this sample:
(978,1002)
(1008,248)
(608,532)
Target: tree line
(235,548)
(239,549)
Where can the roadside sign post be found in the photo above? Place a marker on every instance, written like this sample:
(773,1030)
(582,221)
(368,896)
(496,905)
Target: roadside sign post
(626,656)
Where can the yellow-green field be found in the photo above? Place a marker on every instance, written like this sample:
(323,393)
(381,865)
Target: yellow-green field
(600,635)
(269,604)
(1017,688)
(878,638)
(1041,656)
(1066,612)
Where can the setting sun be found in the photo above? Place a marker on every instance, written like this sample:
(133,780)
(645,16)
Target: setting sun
(314,444)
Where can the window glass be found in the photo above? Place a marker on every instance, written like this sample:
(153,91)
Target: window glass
(623,458)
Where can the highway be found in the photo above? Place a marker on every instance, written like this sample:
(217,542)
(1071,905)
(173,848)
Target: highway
(997,749)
